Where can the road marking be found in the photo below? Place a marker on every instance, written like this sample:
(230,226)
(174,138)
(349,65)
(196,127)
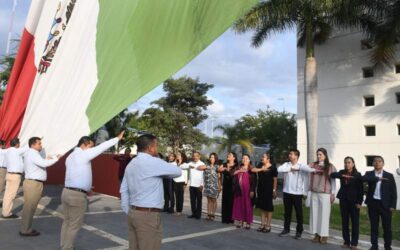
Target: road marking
(89,228)
(199,234)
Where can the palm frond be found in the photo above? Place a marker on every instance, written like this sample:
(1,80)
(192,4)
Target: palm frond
(268,17)
(385,36)
(246,144)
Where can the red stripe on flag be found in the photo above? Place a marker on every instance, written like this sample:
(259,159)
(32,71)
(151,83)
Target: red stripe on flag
(18,89)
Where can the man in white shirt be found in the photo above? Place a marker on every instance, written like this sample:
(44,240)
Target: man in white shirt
(15,169)
(35,174)
(196,185)
(295,180)
(78,183)
(3,168)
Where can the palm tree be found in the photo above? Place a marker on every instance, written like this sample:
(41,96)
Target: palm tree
(7,62)
(232,137)
(314,21)
(385,32)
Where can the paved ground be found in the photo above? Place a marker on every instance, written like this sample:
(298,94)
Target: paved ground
(105,228)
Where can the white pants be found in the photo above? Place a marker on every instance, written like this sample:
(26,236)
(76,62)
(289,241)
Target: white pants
(320,212)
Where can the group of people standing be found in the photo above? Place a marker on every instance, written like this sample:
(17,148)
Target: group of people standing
(17,163)
(29,163)
(150,185)
(244,186)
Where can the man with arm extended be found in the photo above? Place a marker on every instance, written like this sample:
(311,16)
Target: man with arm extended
(196,185)
(35,174)
(78,183)
(142,194)
(15,169)
(294,187)
(381,201)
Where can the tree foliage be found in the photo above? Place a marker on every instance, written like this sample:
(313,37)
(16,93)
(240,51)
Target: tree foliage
(6,63)
(277,129)
(174,117)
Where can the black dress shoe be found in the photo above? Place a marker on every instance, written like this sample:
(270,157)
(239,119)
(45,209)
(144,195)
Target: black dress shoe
(284,233)
(191,216)
(32,233)
(12,216)
(298,236)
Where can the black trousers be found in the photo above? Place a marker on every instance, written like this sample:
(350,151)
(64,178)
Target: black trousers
(178,191)
(349,211)
(195,201)
(290,201)
(169,199)
(376,211)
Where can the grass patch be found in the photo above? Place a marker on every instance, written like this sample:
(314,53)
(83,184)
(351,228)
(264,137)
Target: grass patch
(336,219)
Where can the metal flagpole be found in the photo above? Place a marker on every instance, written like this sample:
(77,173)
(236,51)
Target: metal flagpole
(11,28)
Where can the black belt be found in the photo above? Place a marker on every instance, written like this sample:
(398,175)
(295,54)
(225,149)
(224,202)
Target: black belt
(35,180)
(4,167)
(77,189)
(146,209)
(14,173)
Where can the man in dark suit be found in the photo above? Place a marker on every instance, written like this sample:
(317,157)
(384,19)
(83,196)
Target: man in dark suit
(381,201)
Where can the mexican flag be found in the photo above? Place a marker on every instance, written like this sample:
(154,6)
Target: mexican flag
(81,62)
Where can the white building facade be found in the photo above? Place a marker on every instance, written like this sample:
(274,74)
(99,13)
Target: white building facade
(359,107)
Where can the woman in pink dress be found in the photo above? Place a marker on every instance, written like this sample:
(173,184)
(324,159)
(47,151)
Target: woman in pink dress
(243,192)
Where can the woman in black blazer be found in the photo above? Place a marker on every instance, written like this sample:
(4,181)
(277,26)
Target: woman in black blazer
(351,198)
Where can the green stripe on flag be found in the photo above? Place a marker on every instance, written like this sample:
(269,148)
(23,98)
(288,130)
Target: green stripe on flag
(140,43)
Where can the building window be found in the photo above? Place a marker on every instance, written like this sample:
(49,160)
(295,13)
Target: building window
(370,130)
(369,100)
(368,72)
(398,129)
(365,44)
(369,159)
(397,68)
(398,97)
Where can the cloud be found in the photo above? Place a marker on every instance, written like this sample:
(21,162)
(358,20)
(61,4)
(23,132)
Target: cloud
(217,108)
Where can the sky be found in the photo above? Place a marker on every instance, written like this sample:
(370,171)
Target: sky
(246,79)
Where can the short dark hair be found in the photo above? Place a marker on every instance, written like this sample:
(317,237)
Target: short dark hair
(2,143)
(144,141)
(196,152)
(380,157)
(85,140)
(295,151)
(14,142)
(33,140)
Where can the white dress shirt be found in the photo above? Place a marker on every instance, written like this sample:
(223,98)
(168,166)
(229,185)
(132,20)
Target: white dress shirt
(377,193)
(35,166)
(14,161)
(2,158)
(196,176)
(184,176)
(295,182)
(142,185)
(79,168)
